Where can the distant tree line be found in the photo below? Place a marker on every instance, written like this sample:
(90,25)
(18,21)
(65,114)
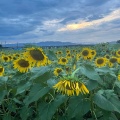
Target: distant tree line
(118,41)
(0,46)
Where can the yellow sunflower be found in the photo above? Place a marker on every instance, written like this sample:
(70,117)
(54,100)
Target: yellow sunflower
(36,56)
(57,71)
(118,76)
(1,71)
(22,65)
(62,61)
(5,58)
(118,53)
(86,52)
(112,61)
(100,62)
(70,88)
(68,51)
(93,53)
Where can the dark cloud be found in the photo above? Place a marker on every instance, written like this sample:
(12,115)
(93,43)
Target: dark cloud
(21,16)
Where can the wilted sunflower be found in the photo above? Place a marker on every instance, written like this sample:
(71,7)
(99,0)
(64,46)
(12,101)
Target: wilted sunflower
(22,65)
(36,56)
(70,88)
(62,61)
(1,71)
(86,52)
(100,62)
(5,58)
(57,71)
(118,53)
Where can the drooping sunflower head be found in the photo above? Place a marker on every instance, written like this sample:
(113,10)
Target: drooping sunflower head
(70,88)
(118,53)
(100,62)
(57,71)
(36,56)
(1,71)
(62,61)
(86,52)
(22,65)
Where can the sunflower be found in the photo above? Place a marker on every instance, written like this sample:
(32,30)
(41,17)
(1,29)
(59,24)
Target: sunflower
(112,61)
(118,53)
(62,61)
(118,76)
(107,56)
(71,88)
(93,53)
(86,52)
(1,71)
(68,51)
(100,62)
(57,71)
(68,55)
(5,58)
(22,65)
(36,56)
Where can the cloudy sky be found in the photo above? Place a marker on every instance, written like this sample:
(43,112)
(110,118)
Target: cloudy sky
(77,21)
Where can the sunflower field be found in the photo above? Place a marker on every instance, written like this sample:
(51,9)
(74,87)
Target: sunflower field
(60,83)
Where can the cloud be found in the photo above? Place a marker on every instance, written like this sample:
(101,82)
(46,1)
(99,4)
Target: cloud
(112,16)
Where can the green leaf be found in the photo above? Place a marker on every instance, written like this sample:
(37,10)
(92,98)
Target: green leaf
(90,72)
(51,55)
(47,110)
(24,113)
(23,87)
(39,73)
(91,85)
(78,106)
(2,95)
(36,92)
(107,102)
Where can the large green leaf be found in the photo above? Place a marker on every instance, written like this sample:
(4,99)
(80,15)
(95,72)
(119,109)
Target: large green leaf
(47,110)
(90,72)
(23,87)
(40,73)
(107,101)
(51,55)
(36,92)
(2,95)
(78,106)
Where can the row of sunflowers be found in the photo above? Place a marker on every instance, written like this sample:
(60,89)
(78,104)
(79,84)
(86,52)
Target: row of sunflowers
(80,83)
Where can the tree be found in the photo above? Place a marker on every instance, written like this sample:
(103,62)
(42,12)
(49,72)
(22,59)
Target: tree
(118,41)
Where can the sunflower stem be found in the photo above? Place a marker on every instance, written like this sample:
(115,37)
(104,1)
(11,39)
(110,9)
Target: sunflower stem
(73,74)
(92,107)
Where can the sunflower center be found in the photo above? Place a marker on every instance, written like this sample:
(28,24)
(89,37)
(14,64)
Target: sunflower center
(113,60)
(37,55)
(63,60)
(85,52)
(107,57)
(92,52)
(5,58)
(23,63)
(119,52)
(100,61)
(59,70)
(1,69)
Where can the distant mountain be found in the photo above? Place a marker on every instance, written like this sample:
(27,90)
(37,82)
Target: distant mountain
(46,43)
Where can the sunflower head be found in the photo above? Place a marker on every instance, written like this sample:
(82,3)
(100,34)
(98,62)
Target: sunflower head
(36,56)
(113,60)
(70,87)
(63,61)
(57,71)
(100,62)
(5,58)
(1,71)
(118,53)
(86,52)
(22,65)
